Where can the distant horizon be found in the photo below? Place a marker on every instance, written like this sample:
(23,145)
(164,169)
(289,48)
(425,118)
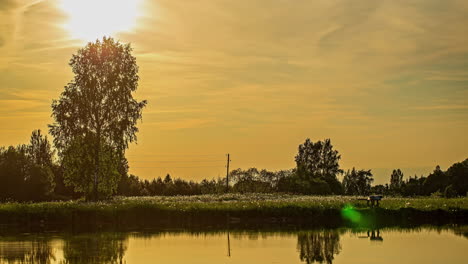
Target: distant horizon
(193,161)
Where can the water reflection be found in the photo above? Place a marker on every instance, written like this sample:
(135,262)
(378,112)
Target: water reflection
(312,246)
(461,231)
(374,235)
(318,246)
(98,248)
(34,251)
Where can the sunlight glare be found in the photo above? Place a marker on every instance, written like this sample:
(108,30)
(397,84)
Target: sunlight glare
(92,19)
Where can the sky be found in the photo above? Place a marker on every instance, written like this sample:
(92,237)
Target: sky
(386,81)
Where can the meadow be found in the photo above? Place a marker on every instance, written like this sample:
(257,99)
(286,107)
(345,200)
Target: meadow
(244,210)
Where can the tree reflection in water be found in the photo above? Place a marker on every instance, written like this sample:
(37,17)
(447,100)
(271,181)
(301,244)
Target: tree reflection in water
(100,248)
(37,251)
(320,246)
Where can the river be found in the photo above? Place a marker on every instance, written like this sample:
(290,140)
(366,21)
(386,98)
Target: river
(427,244)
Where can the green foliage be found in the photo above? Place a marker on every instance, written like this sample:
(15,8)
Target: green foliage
(78,165)
(26,170)
(231,203)
(98,106)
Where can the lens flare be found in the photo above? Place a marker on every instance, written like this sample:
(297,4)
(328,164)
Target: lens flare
(349,213)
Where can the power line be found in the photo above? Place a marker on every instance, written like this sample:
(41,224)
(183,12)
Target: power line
(151,167)
(171,161)
(175,155)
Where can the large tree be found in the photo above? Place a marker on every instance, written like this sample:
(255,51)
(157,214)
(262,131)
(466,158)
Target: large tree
(437,181)
(318,164)
(458,177)
(97,113)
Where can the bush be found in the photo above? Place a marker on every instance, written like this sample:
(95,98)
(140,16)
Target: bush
(450,192)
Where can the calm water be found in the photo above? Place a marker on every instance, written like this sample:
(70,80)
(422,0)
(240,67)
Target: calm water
(423,245)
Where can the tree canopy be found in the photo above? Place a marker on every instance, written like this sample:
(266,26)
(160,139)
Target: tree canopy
(318,167)
(396,179)
(357,182)
(26,170)
(97,113)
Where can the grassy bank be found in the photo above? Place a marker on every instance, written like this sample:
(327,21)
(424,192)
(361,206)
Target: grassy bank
(232,209)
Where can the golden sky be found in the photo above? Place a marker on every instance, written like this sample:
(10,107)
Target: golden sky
(386,80)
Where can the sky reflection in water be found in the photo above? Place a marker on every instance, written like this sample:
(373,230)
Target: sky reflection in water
(426,245)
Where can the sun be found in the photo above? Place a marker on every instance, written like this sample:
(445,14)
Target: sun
(92,19)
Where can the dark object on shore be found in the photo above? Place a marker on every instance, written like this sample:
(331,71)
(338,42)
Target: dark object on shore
(372,200)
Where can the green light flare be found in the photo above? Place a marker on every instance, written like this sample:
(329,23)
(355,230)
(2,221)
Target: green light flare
(349,213)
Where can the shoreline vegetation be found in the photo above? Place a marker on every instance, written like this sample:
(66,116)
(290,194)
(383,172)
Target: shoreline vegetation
(230,210)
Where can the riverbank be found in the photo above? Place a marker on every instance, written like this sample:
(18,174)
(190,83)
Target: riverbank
(235,210)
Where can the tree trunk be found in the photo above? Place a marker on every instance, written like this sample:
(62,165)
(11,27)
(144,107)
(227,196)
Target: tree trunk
(96,160)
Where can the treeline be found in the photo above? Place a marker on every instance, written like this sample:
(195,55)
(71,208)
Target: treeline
(450,183)
(30,173)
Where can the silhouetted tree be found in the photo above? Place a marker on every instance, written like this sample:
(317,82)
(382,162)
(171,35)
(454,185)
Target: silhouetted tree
(157,186)
(40,179)
(168,185)
(357,182)
(396,181)
(26,170)
(378,189)
(40,149)
(14,166)
(130,186)
(282,179)
(250,180)
(97,113)
(317,163)
(437,181)
(458,177)
(414,186)
(207,187)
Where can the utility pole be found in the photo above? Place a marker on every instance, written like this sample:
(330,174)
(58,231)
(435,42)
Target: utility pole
(229,245)
(227,173)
